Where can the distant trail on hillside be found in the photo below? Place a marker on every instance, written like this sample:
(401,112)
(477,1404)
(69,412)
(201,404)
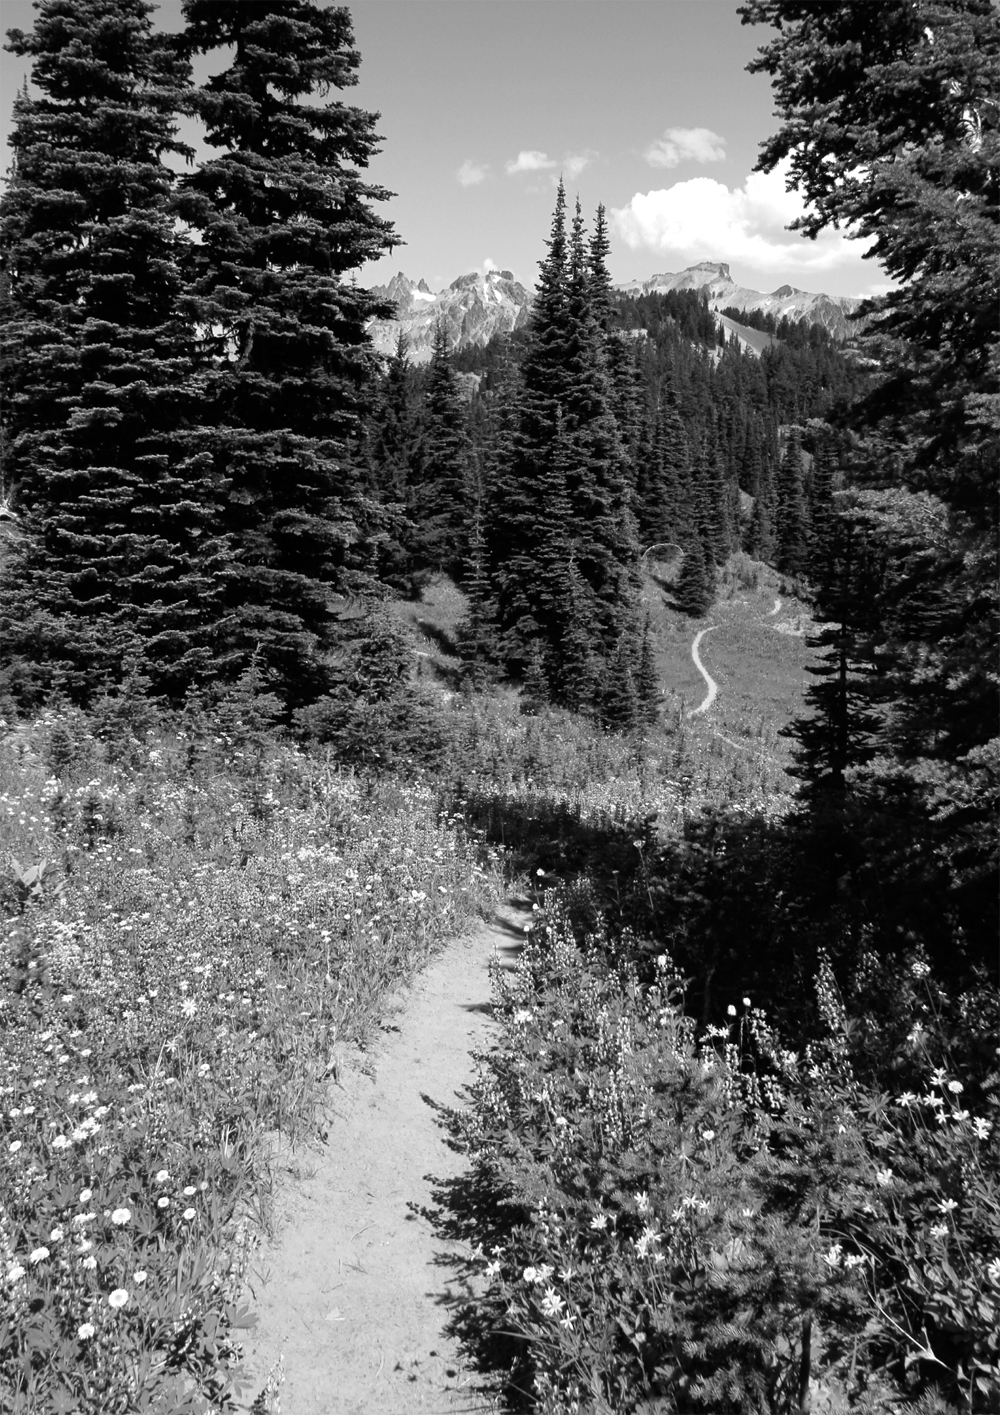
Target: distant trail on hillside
(777,606)
(713,687)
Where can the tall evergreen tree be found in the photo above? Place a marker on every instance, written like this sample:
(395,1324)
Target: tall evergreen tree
(121,566)
(695,590)
(392,431)
(820,504)
(528,509)
(760,533)
(841,731)
(792,530)
(478,647)
(603,524)
(281,216)
(890,124)
(439,488)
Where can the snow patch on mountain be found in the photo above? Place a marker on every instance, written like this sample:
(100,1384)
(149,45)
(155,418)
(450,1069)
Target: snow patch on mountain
(473,309)
(714,278)
(476,307)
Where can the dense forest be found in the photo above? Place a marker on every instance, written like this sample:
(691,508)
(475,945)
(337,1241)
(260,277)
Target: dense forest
(218,500)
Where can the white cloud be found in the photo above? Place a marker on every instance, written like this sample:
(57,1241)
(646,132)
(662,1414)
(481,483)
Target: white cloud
(470,174)
(488,265)
(576,162)
(685,145)
(530,160)
(702,219)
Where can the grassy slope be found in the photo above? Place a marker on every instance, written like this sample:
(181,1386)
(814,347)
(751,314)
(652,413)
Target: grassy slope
(758,659)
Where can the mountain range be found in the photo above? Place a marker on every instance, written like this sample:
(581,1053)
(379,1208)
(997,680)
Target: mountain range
(723,292)
(473,309)
(477,306)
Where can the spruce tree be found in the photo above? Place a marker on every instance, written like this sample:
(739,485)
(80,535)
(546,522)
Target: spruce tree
(841,730)
(478,646)
(695,592)
(439,489)
(647,681)
(528,514)
(604,533)
(282,216)
(792,531)
(621,709)
(663,486)
(820,505)
(392,432)
(122,567)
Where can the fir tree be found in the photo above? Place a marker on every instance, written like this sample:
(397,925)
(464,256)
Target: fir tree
(841,730)
(647,681)
(439,490)
(621,708)
(282,216)
(121,568)
(791,530)
(392,430)
(820,505)
(663,486)
(478,646)
(604,533)
(695,592)
(528,509)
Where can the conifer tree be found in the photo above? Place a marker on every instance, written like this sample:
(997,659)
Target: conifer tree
(760,533)
(663,485)
(647,682)
(528,509)
(621,709)
(281,216)
(478,647)
(841,731)
(121,568)
(695,592)
(392,427)
(575,676)
(439,489)
(820,504)
(604,533)
(389,436)
(790,510)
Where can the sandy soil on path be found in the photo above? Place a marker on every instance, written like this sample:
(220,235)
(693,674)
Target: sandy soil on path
(353,1302)
(710,682)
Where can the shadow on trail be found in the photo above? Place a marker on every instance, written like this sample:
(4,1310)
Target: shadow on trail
(747,904)
(465,1214)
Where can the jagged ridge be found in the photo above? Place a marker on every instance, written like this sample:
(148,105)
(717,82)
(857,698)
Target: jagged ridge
(475,307)
(713,277)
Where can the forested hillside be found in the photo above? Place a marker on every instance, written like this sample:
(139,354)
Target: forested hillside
(736,1146)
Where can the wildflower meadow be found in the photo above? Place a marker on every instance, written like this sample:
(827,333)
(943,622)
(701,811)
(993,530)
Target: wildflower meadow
(717,1161)
(194,928)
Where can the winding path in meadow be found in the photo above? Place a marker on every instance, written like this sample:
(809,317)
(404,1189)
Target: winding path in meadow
(710,683)
(355,1290)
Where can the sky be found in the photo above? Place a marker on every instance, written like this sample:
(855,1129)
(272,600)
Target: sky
(644,105)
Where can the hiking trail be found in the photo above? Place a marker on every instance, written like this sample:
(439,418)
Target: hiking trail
(353,1301)
(713,687)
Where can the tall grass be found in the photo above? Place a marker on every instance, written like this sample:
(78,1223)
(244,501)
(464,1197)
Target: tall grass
(195,924)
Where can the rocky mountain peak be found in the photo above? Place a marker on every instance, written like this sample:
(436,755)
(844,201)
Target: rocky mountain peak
(473,309)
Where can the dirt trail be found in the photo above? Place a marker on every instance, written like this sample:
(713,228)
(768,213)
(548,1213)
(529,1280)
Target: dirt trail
(353,1299)
(710,682)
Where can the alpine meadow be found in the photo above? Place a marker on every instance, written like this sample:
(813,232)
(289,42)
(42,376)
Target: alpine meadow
(572,698)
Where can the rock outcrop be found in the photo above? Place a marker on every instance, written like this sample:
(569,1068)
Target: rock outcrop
(473,309)
(713,277)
